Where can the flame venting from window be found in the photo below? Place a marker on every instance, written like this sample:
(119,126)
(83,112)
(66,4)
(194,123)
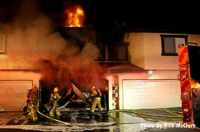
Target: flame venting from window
(75,16)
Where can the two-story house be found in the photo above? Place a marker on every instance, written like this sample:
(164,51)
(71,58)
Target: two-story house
(142,71)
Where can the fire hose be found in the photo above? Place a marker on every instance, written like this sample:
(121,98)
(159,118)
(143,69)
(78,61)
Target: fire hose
(66,123)
(53,119)
(147,116)
(174,114)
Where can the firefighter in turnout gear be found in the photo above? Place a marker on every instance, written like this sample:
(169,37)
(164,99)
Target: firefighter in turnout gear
(96,94)
(55,97)
(32,103)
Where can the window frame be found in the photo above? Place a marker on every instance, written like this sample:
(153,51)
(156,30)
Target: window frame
(3,50)
(105,52)
(170,36)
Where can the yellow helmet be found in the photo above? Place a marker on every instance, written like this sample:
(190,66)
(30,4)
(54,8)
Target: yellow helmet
(93,87)
(55,90)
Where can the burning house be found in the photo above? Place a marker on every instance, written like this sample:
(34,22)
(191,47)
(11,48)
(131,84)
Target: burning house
(133,69)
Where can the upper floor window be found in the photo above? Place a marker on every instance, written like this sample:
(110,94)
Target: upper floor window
(113,52)
(2,43)
(170,44)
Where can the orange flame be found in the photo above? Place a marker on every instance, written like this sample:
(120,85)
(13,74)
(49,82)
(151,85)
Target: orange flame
(75,16)
(195,84)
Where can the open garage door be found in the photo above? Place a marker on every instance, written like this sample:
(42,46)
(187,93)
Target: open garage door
(13,94)
(151,94)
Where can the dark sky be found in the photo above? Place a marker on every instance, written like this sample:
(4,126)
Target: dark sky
(149,15)
(141,15)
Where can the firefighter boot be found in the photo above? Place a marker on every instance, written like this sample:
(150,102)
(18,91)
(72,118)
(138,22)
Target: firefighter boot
(51,113)
(57,112)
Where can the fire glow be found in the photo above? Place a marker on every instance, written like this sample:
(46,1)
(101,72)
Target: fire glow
(195,84)
(75,16)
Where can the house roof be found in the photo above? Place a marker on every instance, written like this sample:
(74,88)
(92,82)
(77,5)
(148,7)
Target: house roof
(122,68)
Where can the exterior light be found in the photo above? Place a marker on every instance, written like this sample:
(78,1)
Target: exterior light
(150,72)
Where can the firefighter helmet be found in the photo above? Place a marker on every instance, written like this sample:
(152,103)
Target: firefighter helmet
(55,90)
(93,87)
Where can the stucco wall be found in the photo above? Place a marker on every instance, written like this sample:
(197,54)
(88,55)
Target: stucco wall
(136,48)
(17,63)
(152,53)
(194,38)
(145,50)
(20,75)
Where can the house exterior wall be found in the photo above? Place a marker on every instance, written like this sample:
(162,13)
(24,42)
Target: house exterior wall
(16,68)
(17,76)
(20,75)
(145,50)
(194,38)
(136,48)
(152,53)
(14,63)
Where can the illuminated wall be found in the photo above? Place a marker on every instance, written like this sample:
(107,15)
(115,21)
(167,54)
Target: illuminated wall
(136,48)
(145,50)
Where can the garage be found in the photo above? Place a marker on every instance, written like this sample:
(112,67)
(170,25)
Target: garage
(150,93)
(13,94)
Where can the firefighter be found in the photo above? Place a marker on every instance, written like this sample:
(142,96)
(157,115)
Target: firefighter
(32,103)
(55,97)
(96,94)
(32,111)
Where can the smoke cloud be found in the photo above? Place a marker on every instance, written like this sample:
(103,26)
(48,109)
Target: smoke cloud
(32,37)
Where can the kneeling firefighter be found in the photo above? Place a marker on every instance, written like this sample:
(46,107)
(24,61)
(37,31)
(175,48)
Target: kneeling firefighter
(55,97)
(96,94)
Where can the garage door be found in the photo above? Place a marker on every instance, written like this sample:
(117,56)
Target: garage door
(150,94)
(13,94)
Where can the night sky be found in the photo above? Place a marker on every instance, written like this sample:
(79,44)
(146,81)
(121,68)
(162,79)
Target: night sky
(112,15)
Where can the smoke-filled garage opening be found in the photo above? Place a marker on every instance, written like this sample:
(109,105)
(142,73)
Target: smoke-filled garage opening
(72,98)
(74,85)
(74,71)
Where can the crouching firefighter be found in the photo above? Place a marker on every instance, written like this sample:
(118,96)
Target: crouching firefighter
(55,97)
(96,95)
